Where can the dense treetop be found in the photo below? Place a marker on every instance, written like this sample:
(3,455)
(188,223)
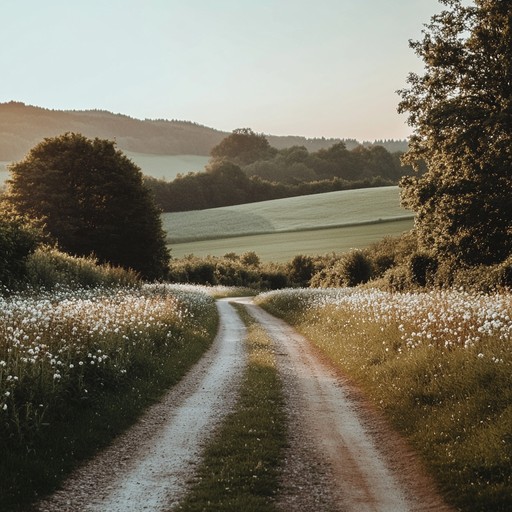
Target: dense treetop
(245,168)
(461,111)
(91,199)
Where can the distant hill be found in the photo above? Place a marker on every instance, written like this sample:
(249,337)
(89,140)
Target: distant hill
(23,126)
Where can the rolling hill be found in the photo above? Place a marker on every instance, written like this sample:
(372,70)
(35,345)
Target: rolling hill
(22,126)
(278,230)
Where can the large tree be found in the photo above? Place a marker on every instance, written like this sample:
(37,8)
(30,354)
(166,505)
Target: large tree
(91,199)
(461,111)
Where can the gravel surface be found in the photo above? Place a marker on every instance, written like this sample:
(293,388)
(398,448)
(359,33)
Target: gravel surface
(149,466)
(342,455)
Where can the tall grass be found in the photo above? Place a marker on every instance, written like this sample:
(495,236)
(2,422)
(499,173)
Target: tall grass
(48,267)
(438,364)
(78,366)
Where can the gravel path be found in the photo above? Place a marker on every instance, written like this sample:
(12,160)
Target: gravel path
(148,467)
(341,454)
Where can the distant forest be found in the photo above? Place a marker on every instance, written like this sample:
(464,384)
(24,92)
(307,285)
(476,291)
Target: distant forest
(23,126)
(245,168)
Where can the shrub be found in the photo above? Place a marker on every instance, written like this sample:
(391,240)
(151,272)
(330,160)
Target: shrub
(301,269)
(48,267)
(351,269)
(17,241)
(230,270)
(422,268)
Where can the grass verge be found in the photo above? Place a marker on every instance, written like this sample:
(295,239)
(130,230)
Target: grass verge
(435,367)
(241,464)
(32,467)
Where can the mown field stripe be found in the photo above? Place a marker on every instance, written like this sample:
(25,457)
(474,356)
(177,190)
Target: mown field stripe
(320,227)
(282,247)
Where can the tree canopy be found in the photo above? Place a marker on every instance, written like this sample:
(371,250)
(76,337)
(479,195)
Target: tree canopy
(461,111)
(273,173)
(243,147)
(91,199)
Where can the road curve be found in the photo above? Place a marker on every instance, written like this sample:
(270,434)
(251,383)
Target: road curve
(336,459)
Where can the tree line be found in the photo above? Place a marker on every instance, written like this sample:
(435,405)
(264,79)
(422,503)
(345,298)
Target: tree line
(245,168)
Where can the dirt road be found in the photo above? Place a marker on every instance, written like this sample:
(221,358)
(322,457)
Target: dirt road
(341,456)
(148,467)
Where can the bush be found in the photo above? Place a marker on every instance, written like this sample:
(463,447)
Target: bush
(396,279)
(301,270)
(48,267)
(351,269)
(483,278)
(422,268)
(230,270)
(17,241)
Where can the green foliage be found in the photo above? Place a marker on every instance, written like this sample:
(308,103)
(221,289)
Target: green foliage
(301,270)
(48,268)
(350,269)
(245,169)
(461,113)
(483,278)
(245,270)
(243,147)
(17,241)
(91,200)
(422,268)
(334,164)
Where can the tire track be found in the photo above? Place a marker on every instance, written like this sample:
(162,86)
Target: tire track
(148,467)
(330,420)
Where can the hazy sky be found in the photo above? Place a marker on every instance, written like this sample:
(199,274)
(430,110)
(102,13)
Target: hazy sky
(304,67)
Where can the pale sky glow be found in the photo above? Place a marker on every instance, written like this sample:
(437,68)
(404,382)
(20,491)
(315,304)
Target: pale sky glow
(285,67)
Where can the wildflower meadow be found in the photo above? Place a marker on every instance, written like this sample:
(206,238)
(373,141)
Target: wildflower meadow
(96,356)
(438,363)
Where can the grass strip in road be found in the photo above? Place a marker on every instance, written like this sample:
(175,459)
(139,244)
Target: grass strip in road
(241,464)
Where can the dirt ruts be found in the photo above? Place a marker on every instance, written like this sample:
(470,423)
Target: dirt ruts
(148,467)
(341,455)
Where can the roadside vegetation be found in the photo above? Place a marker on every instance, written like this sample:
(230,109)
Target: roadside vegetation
(240,467)
(79,366)
(437,363)
(421,321)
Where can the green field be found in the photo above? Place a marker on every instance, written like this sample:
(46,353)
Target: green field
(157,166)
(278,230)
(167,166)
